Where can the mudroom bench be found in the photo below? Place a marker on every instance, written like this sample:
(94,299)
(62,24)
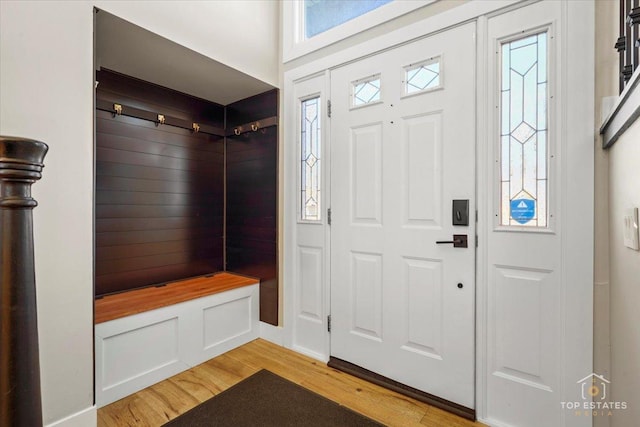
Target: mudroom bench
(146,335)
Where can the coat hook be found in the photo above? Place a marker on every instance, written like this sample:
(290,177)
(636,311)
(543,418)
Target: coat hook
(254,126)
(236,131)
(118,110)
(196,128)
(161,119)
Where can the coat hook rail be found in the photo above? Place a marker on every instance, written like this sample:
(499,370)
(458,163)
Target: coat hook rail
(158,119)
(253,126)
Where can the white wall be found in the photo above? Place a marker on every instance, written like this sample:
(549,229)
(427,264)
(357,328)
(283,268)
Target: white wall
(46,93)
(606,85)
(242,34)
(624,193)
(617,269)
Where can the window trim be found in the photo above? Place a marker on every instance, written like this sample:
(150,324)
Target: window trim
(295,45)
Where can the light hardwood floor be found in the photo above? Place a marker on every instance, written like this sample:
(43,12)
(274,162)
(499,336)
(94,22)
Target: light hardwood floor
(166,400)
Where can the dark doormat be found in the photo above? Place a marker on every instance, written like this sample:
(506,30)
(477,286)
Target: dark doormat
(265,399)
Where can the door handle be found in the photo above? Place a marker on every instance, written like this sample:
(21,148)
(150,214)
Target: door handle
(459,241)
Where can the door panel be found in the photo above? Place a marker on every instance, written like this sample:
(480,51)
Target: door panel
(421,138)
(423,286)
(396,304)
(524,293)
(366,173)
(307,249)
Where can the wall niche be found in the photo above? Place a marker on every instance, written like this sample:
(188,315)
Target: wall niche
(184,187)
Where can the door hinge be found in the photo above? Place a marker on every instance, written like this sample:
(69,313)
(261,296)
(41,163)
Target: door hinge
(476,240)
(329,216)
(329,323)
(329,108)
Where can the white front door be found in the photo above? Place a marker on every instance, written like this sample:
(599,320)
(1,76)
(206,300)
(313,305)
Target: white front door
(402,305)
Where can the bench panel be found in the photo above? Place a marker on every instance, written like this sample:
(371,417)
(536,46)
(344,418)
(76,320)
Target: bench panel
(136,351)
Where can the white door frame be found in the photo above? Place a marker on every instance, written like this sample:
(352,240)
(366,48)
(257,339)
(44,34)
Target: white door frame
(577,65)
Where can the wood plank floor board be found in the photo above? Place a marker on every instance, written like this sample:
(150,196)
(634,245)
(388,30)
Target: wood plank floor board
(133,411)
(436,417)
(202,381)
(195,385)
(168,397)
(166,400)
(228,371)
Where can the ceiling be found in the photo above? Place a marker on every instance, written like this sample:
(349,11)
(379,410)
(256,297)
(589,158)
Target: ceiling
(128,49)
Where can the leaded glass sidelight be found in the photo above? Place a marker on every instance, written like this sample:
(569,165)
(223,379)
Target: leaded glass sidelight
(422,77)
(524,132)
(366,91)
(310,150)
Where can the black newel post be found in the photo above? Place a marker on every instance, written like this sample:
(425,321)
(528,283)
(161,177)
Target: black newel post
(20,166)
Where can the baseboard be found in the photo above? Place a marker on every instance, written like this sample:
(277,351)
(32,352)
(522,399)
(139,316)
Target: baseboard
(492,423)
(312,354)
(383,381)
(602,329)
(86,418)
(274,334)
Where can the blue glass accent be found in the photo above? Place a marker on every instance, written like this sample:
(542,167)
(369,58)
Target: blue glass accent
(523,210)
(322,15)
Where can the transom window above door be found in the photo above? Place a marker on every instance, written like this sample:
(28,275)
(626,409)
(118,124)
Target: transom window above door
(309,25)
(322,15)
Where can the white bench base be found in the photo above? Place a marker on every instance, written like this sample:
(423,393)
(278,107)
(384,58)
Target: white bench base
(137,351)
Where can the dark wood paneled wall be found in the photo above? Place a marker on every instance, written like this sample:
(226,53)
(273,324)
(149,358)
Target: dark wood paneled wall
(252,199)
(159,189)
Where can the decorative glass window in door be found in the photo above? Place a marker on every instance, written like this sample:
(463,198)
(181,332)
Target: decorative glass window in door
(422,77)
(310,149)
(365,91)
(524,132)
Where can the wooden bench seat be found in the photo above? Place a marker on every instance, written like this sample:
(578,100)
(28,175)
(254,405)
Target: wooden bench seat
(137,301)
